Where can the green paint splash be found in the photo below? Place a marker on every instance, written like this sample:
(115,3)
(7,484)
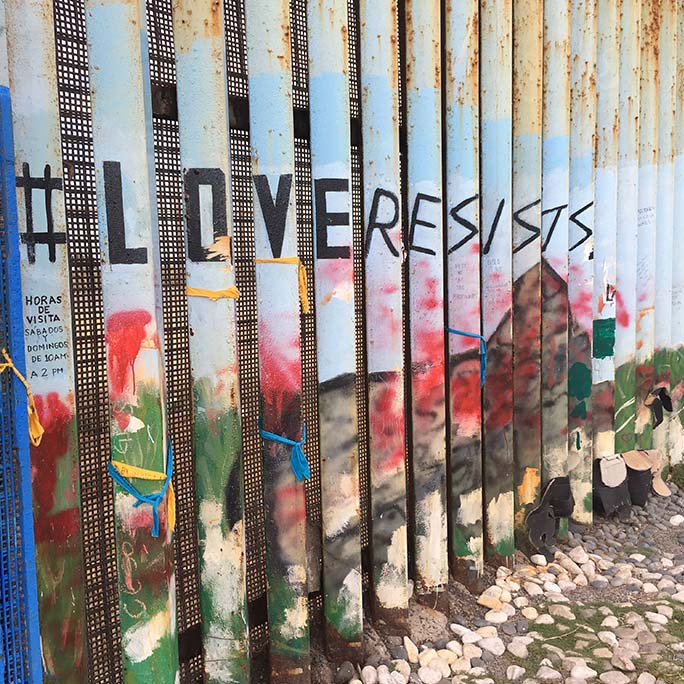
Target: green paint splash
(579,381)
(604,338)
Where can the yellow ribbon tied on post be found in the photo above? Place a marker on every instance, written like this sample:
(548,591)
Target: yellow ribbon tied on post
(301,275)
(228,293)
(36,430)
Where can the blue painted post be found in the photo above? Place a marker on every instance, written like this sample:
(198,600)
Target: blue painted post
(127,219)
(605,234)
(48,335)
(627,212)
(496,141)
(335,326)
(463,286)
(384,256)
(15,653)
(272,143)
(426,296)
(205,160)
(580,254)
(555,198)
(528,49)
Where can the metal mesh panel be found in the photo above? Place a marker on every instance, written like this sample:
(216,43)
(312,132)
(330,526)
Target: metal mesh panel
(179,411)
(236,50)
(300,55)
(309,365)
(12,604)
(353,56)
(97,499)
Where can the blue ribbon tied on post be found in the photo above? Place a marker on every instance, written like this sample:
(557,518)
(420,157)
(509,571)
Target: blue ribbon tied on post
(483,351)
(298,461)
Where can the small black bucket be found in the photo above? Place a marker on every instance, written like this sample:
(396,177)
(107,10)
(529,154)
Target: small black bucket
(639,484)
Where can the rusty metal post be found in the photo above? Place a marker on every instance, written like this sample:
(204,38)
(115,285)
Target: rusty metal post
(426,296)
(328,33)
(555,199)
(646,221)
(205,159)
(48,335)
(626,242)
(605,221)
(127,217)
(583,105)
(496,142)
(278,295)
(676,438)
(528,56)
(463,285)
(384,255)
(667,56)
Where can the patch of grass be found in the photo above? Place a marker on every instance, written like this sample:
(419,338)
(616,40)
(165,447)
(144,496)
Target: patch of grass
(677,474)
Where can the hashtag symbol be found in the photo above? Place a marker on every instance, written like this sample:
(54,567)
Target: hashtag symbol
(30,238)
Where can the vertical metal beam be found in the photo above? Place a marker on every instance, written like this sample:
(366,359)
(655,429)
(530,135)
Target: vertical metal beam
(667,56)
(580,253)
(426,295)
(20,629)
(528,56)
(496,131)
(328,32)
(677,357)
(646,221)
(555,199)
(272,147)
(463,285)
(47,333)
(626,253)
(205,159)
(605,222)
(384,256)
(127,217)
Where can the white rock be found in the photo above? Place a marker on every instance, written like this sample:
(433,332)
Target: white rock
(357,681)
(583,672)
(426,656)
(665,610)
(497,617)
(455,647)
(471,651)
(638,557)
(397,677)
(515,672)
(531,613)
(679,596)
(446,655)
(403,667)
(369,675)
(533,589)
(614,677)
(552,588)
(521,602)
(518,649)
(676,520)
(579,555)
(611,622)
(649,588)
(580,580)
(646,678)
(548,674)
(471,638)
(460,665)
(411,650)
(562,612)
(657,618)
(487,631)
(429,676)
(493,644)
(608,638)
(508,609)
(538,559)
(441,666)
(384,678)
(544,620)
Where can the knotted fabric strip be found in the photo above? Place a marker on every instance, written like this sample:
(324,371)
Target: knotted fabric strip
(301,275)
(35,429)
(120,471)
(483,351)
(298,461)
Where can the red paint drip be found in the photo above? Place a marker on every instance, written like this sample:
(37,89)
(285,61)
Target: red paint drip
(55,417)
(387,424)
(124,337)
(622,313)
